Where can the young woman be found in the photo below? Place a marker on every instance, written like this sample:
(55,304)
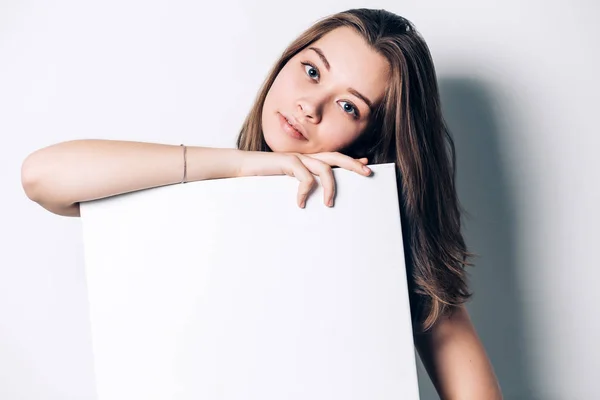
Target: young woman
(357,87)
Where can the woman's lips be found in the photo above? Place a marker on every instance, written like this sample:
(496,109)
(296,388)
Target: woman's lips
(287,128)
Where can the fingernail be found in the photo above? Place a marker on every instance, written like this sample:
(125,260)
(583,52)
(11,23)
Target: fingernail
(366,169)
(330,203)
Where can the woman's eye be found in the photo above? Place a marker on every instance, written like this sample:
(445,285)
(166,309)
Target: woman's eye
(313,73)
(311,70)
(350,107)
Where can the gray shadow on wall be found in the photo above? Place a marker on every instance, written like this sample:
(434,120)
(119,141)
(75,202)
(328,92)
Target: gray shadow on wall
(490,230)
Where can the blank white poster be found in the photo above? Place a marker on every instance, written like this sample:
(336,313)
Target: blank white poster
(227,290)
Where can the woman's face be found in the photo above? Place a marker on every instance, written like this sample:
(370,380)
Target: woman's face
(326,91)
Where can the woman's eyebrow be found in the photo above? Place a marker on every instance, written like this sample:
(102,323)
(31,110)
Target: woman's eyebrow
(351,90)
(321,56)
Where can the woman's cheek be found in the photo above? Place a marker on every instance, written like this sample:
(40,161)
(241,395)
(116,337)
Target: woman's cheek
(346,134)
(296,86)
(334,134)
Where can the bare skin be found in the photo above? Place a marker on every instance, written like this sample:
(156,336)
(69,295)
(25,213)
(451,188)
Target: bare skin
(456,360)
(327,115)
(326,89)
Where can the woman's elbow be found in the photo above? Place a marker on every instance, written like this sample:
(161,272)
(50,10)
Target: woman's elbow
(30,176)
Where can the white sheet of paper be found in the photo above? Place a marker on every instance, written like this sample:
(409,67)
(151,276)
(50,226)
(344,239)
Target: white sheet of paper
(227,290)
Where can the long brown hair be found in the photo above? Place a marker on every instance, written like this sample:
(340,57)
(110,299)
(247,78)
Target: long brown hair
(407,129)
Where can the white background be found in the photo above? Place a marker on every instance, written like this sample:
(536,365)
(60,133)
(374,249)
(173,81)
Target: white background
(519,88)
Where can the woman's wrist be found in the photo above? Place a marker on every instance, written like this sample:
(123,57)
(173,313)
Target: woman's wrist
(205,163)
(239,160)
(247,163)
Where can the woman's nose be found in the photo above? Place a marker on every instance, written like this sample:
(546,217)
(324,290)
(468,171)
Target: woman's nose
(310,111)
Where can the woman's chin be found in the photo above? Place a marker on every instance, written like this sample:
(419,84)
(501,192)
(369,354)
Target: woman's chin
(280,143)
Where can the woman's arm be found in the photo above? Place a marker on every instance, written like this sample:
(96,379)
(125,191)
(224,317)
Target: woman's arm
(456,360)
(60,176)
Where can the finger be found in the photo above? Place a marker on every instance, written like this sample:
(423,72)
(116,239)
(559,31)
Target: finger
(342,161)
(326,177)
(306,178)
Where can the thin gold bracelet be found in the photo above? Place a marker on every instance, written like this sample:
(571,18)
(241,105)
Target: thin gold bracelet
(184,164)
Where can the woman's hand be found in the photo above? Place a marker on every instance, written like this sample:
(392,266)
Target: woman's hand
(304,167)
